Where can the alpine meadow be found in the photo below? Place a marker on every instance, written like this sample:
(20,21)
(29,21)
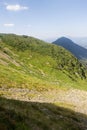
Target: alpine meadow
(43,69)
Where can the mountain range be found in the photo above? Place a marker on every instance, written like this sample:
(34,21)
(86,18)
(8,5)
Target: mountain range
(75,49)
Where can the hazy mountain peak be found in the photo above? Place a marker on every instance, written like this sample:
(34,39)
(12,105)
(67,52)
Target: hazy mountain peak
(64,39)
(78,51)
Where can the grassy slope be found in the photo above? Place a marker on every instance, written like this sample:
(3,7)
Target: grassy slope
(27,62)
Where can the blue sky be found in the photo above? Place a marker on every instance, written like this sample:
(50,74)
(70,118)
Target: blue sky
(45,19)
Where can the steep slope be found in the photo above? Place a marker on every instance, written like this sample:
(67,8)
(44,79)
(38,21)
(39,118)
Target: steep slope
(36,79)
(78,51)
(28,49)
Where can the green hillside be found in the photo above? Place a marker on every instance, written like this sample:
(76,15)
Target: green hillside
(30,67)
(41,55)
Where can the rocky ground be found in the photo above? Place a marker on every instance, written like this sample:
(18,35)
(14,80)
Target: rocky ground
(72,98)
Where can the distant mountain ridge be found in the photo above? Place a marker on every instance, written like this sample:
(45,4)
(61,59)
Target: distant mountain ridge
(82,41)
(78,51)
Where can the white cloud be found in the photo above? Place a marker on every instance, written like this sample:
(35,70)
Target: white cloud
(16,7)
(9,25)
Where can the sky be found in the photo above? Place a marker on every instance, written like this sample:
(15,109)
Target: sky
(44,19)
